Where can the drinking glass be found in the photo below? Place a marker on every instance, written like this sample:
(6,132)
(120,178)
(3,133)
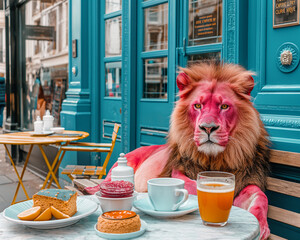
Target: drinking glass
(215,192)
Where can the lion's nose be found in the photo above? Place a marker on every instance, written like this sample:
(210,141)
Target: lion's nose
(209,128)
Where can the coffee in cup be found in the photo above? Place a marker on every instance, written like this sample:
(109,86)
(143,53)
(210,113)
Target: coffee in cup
(167,194)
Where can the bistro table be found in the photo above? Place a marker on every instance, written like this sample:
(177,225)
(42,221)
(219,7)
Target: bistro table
(241,225)
(28,138)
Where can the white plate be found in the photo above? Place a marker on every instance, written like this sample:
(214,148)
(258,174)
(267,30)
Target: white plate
(145,206)
(85,207)
(44,133)
(122,235)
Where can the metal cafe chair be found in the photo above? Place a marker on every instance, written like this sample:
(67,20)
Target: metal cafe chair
(89,171)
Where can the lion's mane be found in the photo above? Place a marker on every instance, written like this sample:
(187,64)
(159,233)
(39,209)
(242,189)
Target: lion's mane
(246,154)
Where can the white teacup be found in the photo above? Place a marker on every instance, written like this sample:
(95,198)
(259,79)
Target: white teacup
(165,193)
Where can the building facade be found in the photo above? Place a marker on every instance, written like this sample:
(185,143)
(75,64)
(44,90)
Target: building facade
(124,57)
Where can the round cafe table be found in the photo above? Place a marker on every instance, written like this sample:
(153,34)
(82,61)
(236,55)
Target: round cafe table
(241,225)
(40,140)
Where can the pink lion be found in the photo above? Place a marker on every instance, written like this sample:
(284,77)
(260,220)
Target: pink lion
(214,126)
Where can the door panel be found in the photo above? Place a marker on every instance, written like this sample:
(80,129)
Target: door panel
(278,91)
(111,74)
(155,94)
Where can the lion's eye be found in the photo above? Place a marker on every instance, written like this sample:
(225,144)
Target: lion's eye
(224,106)
(197,106)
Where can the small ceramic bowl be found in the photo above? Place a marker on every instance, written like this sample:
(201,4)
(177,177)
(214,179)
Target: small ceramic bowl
(57,129)
(112,204)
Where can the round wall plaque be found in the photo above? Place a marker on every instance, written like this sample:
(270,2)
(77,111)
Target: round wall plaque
(287,57)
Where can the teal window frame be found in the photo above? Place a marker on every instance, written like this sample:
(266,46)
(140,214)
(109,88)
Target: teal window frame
(103,59)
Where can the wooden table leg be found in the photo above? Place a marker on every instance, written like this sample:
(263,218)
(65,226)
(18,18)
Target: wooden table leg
(57,166)
(49,167)
(53,165)
(20,178)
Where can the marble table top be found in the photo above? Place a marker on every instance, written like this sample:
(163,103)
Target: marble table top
(241,225)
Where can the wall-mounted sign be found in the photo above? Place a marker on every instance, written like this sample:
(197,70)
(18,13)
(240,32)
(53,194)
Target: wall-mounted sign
(285,13)
(42,33)
(206,25)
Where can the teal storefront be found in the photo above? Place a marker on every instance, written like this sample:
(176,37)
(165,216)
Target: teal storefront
(126,58)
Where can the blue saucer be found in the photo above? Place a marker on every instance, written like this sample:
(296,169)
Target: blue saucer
(145,206)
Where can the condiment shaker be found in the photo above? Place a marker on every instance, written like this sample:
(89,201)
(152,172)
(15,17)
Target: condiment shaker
(38,125)
(48,121)
(122,171)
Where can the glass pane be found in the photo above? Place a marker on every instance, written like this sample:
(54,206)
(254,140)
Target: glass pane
(156,27)
(113,73)
(43,88)
(113,36)
(212,56)
(205,22)
(1,45)
(113,5)
(156,78)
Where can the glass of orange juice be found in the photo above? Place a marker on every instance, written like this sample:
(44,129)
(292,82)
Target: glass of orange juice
(215,192)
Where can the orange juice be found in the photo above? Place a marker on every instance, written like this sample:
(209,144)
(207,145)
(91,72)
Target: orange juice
(215,201)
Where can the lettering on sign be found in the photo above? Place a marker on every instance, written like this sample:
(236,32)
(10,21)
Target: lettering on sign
(285,13)
(206,25)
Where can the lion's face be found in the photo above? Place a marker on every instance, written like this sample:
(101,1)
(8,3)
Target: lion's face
(213,114)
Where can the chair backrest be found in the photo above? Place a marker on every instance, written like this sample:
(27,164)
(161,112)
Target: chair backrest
(113,142)
(115,132)
(284,195)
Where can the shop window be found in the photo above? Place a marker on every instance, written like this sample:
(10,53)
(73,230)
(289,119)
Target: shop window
(113,71)
(205,22)
(113,5)
(113,36)
(156,27)
(156,78)
(46,60)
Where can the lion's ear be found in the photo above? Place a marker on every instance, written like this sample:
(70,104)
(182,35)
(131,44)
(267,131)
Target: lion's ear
(250,86)
(182,81)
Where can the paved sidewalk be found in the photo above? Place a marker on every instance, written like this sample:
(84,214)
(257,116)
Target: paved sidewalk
(9,182)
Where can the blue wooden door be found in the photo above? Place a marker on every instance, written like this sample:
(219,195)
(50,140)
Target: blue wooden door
(155,70)
(110,74)
(274,56)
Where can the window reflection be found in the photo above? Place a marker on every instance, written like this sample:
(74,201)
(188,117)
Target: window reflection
(156,27)
(211,56)
(45,89)
(113,72)
(113,5)
(45,78)
(156,78)
(113,36)
(205,22)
